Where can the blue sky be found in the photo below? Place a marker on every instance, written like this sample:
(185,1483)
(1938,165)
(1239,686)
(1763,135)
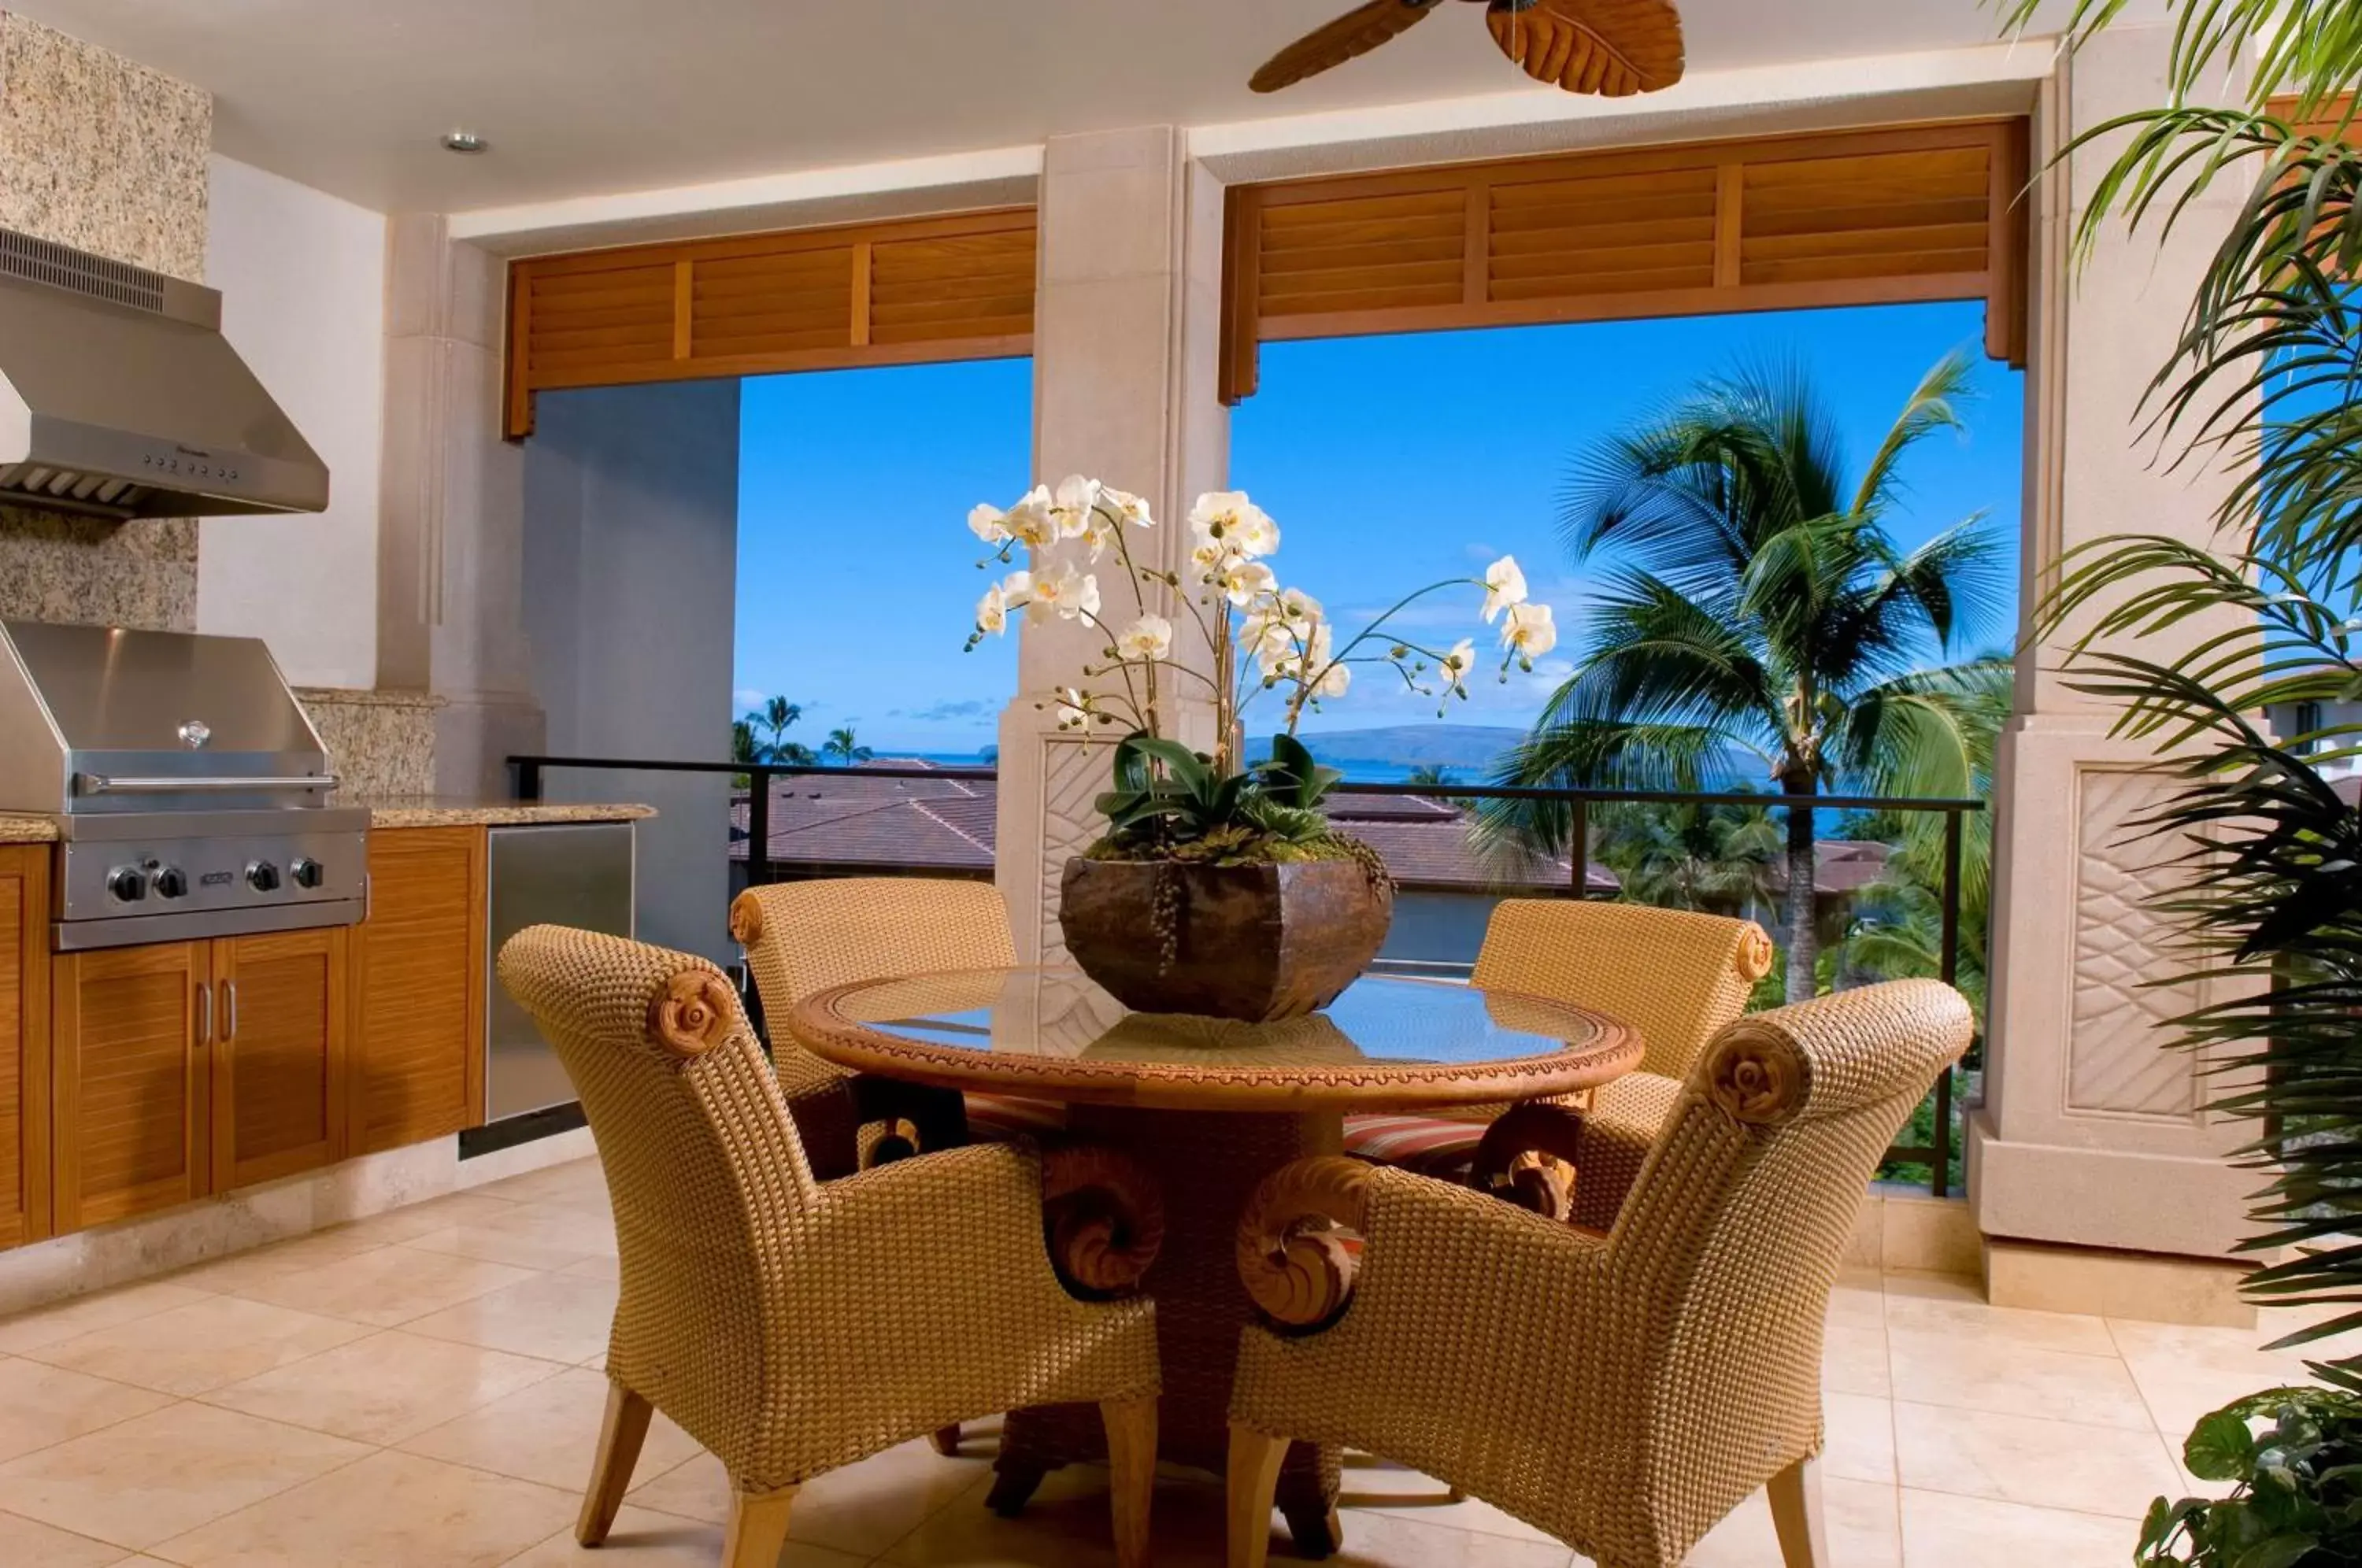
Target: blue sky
(1388,462)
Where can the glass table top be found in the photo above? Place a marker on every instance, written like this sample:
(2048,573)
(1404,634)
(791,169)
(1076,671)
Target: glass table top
(1380,1021)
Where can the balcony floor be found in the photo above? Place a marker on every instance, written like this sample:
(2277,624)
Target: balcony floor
(424,1387)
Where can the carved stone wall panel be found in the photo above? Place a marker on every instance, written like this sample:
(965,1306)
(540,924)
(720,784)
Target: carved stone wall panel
(2119,1060)
(1073,775)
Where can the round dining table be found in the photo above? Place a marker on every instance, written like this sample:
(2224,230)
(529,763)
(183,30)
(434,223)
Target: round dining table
(1210,1107)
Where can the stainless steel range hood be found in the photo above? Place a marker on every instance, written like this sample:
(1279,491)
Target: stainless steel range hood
(119,396)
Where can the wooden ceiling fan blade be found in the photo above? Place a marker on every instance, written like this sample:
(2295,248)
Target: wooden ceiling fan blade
(1355,33)
(1612,47)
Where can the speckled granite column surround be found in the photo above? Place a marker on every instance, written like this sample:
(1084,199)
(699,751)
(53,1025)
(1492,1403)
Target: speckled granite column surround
(382,743)
(108,156)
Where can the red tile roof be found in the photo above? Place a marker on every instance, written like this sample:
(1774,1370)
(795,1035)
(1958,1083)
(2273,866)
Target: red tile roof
(925,824)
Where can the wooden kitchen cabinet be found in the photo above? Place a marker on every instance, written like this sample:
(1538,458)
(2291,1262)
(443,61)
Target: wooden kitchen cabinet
(281,1015)
(24,1044)
(416,1063)
(191,1067)
(130,1079)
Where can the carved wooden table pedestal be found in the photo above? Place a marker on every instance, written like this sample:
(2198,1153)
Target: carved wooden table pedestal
(1211,1107)
(1208,1163)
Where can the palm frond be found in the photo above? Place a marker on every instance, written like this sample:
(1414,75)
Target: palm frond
(1933,405)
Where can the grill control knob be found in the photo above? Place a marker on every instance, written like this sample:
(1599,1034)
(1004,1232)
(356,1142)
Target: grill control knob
(307,873)
(262,876)
(171,882)
(128,884)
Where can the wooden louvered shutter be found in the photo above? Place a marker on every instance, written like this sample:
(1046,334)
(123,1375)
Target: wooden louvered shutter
(1857,217)
(956,288)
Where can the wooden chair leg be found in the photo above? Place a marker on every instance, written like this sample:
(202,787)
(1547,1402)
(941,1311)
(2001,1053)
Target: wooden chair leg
(947,1441)
(620,1436)
(1797,1515)
(757,1531)
(1132,1456)
(1253,1479)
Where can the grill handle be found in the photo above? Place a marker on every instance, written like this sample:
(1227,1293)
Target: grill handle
(110,784)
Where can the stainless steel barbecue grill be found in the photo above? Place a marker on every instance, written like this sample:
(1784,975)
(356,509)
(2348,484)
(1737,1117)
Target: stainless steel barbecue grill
(191,795)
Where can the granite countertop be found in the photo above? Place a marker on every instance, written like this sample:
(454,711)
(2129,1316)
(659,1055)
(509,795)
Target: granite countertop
(438,810)
(424,811)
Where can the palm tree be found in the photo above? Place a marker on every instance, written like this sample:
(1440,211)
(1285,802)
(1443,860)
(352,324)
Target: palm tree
(1755,603)
(1434,775)
(1716,858)
(773,720)
(843,749)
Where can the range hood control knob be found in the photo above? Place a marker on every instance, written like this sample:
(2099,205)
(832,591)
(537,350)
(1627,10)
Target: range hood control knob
(307,873)
(127,884)
(171,882)
(262,876)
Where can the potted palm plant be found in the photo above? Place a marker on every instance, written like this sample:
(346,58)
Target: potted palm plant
(2268,378)
(1220,886)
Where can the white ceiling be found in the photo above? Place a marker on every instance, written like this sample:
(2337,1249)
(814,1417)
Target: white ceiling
(581,98)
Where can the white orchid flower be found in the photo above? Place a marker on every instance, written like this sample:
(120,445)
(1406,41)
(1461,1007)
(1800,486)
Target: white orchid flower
(989,522)
(1303,650)
(1528,633)
(1130,508)
(1294,604)
(992,611)
(1333,680)
(1228,518)
(1149,637)
(1073,506)
(1029,520)
(1454,667)
(1067,591)
(1212,558)
(1505,587)
(1244,580)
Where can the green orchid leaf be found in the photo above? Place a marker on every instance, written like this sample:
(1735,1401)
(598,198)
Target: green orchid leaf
(1184,766)
(1293,775)
(1131,770)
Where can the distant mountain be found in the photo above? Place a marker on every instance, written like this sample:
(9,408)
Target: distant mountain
(1468,750)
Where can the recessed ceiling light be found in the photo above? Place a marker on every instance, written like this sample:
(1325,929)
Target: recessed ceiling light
(465,141)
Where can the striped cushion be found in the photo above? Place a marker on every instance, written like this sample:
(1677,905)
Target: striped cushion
(998,1118)
(1427,1144)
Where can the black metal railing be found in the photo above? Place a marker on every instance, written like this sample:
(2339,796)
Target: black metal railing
(530,770)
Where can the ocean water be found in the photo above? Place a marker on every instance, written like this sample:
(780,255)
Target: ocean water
(1356,771)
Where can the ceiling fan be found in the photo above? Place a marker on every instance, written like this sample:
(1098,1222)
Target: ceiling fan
(1613,48)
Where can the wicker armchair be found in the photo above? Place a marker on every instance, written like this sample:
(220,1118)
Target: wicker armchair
(1624,1392)
(793,1325)
(802,937)
(1676,977)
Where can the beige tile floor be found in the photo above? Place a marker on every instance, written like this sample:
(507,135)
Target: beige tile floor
(422,1389)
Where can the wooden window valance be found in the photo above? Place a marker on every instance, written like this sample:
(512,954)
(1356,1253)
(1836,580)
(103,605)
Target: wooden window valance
(822,299)
(1839,218)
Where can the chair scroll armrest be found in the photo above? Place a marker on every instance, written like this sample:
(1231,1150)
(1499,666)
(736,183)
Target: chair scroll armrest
(1103,1218)
(1533,1157)
(1295,1266)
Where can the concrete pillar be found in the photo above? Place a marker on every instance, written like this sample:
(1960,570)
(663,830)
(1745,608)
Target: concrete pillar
(2090,1135)
(451,530)
(1126,324)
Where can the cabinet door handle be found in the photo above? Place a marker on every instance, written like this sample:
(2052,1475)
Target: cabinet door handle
(204,1013)
(229,1010)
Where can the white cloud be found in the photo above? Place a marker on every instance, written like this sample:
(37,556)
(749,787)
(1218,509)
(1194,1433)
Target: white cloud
(746,697)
